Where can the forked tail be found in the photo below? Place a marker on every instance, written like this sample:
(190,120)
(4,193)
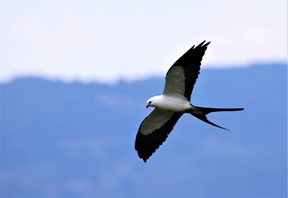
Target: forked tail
(207,110)
(203,111)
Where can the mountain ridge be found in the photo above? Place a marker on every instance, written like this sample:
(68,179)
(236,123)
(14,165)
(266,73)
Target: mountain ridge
(73,139)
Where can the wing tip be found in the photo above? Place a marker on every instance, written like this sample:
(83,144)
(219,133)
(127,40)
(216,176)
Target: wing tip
(204,44)
(144,157)
(146,153)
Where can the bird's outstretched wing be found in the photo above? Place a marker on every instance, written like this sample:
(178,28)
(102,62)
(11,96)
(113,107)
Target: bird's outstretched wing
(154,130)
(182,75)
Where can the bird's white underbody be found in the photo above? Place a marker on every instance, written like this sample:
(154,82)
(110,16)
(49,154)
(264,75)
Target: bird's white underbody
(175,103)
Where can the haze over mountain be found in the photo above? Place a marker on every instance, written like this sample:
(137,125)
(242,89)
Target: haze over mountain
(77,139)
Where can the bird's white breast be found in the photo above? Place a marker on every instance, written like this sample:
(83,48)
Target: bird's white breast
(173,103)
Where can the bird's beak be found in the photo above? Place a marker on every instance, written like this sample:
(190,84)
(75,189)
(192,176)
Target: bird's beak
(147,106)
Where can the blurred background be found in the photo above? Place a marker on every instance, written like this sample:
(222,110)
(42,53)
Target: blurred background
(75,77)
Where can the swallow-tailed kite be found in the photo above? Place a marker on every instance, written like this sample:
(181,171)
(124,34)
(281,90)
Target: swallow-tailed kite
(173,103)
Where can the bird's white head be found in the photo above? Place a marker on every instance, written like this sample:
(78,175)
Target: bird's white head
(152,102)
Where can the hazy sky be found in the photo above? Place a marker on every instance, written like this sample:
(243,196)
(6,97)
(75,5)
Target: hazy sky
(107,40)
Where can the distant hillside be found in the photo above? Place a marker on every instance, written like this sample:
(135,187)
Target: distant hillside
(77,140)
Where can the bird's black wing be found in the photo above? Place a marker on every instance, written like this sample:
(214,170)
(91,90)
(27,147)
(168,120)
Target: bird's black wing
(182,75)
(154,130)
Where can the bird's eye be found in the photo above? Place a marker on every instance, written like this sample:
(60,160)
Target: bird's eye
(149,102)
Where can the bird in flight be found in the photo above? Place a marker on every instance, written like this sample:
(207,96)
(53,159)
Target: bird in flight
(174,102)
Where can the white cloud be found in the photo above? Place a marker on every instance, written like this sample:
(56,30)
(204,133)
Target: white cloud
(107,40)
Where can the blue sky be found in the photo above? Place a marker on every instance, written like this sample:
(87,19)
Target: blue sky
(107,40)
